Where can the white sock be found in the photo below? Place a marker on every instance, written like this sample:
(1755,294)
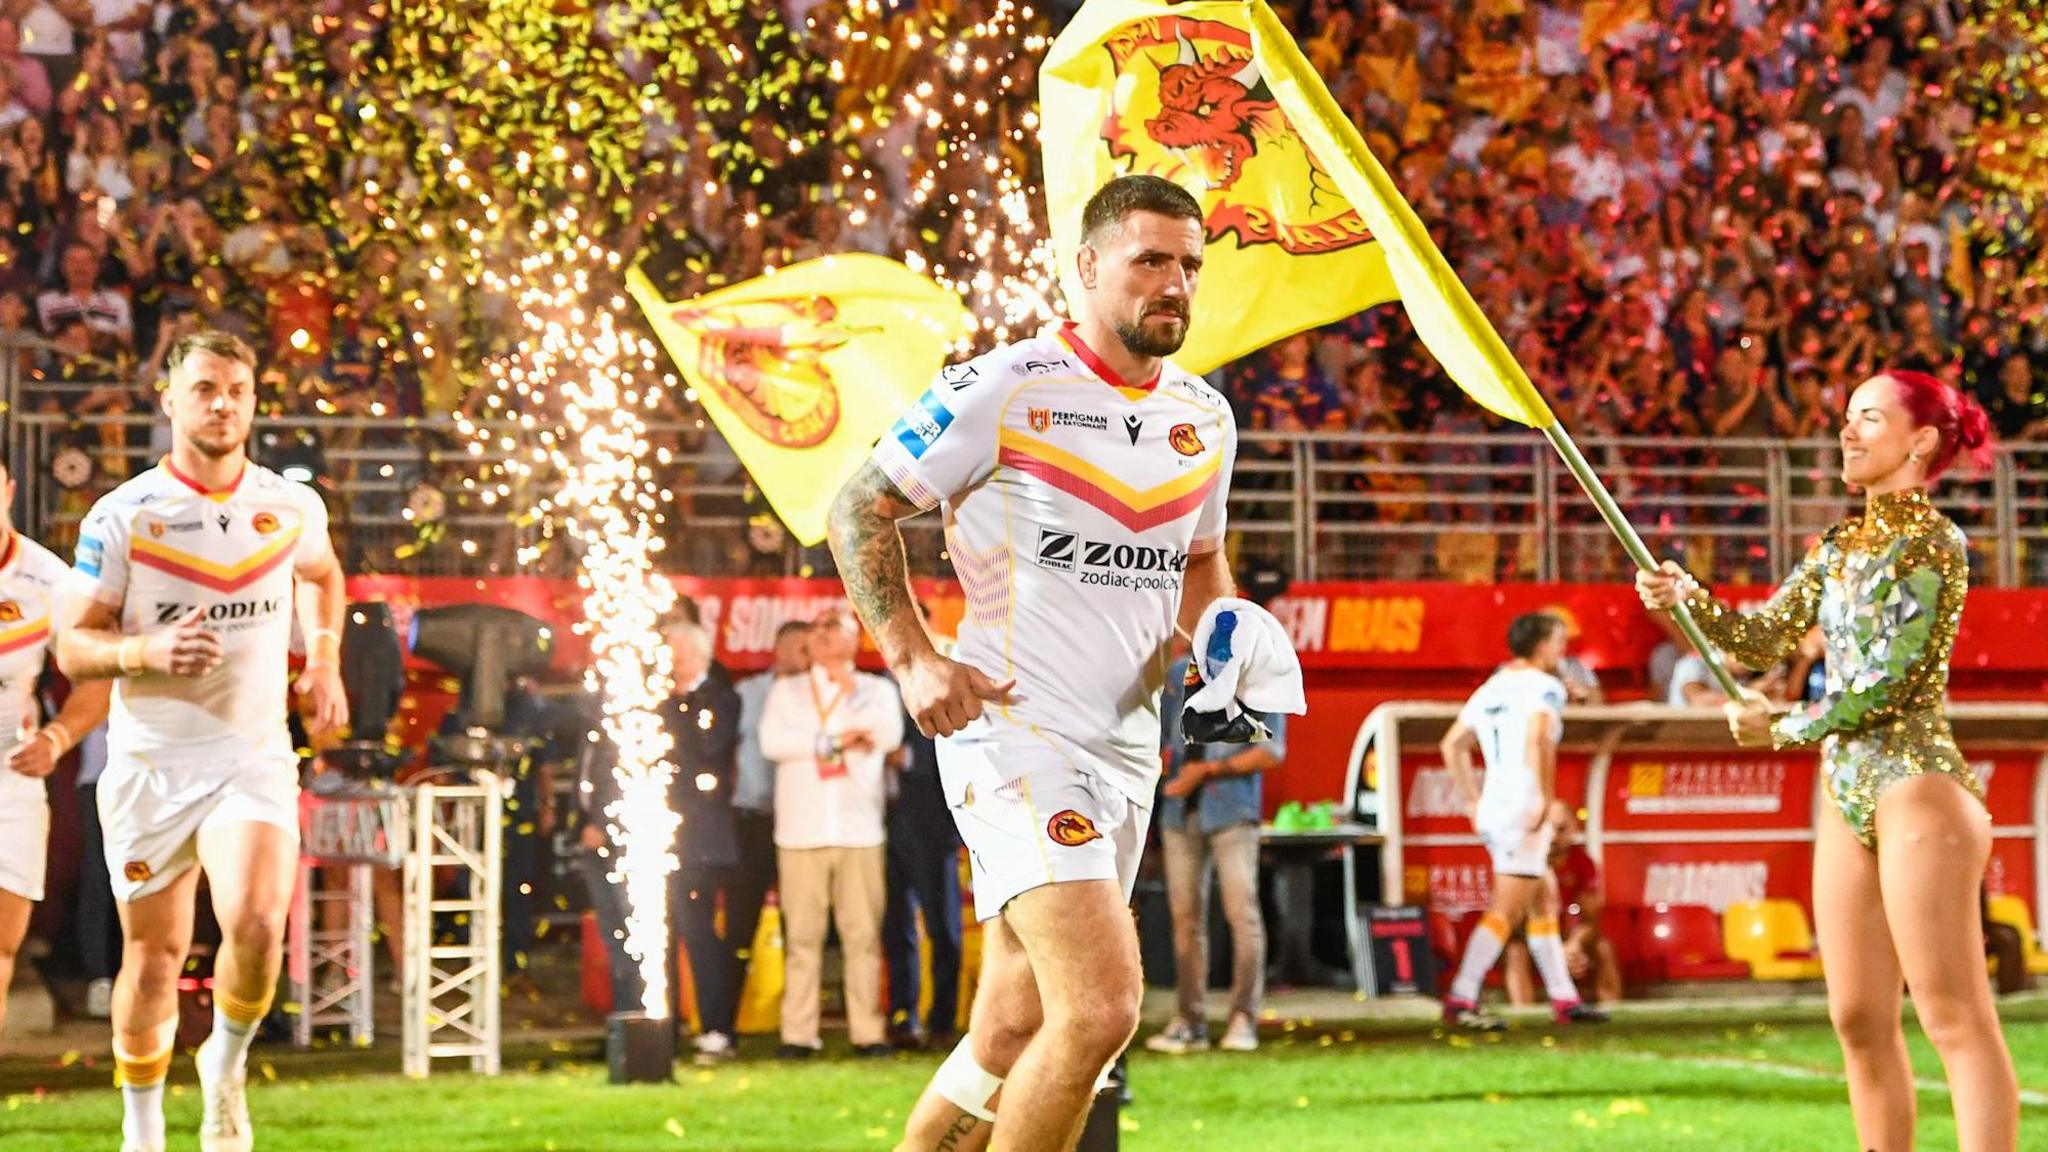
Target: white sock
(227,1050)
(1480,954)
(1547,952)
(142,1116)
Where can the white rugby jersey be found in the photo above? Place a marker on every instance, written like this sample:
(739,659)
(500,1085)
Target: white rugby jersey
(31,578)
(159,546)
(1073,501)
(1502,714)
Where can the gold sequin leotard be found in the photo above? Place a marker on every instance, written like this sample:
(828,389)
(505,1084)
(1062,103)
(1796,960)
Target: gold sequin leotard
(1886,588)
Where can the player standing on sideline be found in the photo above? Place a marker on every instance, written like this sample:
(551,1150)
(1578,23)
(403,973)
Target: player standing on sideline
(1083,481)
(31,578)
(190,575)
(1515,719)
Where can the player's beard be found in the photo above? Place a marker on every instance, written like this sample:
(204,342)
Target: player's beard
(218,445)
(1155,341)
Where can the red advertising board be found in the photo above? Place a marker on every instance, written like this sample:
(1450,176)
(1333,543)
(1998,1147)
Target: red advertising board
(1666,816)
(1431,804)
(1706,873)
(1432,626)
(2009,778)
(1335,626)
(1651,791)
(1663,809)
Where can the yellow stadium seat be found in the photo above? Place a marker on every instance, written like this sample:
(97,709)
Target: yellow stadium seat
(2013,910)
(1772,937)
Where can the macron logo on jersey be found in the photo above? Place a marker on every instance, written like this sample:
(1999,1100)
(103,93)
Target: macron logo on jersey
(922,426)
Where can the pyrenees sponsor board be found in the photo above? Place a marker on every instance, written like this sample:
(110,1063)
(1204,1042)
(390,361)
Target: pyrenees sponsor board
(1675,787)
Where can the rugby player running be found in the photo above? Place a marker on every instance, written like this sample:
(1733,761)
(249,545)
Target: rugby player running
(1082,478)
(31,582)
(189,577)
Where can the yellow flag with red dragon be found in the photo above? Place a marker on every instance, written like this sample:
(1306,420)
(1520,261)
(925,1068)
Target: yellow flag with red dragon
(1179,90)
(802,370)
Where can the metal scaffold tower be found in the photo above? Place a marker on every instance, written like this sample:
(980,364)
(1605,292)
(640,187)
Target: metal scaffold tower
(451,988)
(330,951)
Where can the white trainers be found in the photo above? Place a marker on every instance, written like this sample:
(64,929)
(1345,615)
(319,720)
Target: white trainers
(99,999)
(715,1048)
(224,1125)
(1241,1036)
(1178,1038)
(1473,1020)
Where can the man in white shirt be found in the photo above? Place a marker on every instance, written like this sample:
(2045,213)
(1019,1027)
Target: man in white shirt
(48,34)
(827,732)
(1596,171)
(124,21)
(190,578)
(31,580)
(1877,90)
(103,309)
(1693,684)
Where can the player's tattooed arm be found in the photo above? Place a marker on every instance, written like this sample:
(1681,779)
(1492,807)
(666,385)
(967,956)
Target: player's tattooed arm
(958,1136)
(868,548)
(943,696)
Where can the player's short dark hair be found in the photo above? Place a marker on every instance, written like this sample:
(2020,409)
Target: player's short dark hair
(788,627)
(224,344)
(1529,631)
(1117,200)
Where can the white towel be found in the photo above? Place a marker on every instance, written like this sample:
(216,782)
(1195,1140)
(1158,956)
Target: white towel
(1246,662)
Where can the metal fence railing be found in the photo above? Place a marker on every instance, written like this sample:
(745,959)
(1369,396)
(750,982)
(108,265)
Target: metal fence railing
(1503,508)
(1327,506)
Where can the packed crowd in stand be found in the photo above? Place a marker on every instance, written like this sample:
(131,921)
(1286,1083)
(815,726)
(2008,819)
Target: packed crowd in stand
(1688,219)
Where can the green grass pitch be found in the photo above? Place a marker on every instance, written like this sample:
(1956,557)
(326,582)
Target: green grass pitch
(1724,1080)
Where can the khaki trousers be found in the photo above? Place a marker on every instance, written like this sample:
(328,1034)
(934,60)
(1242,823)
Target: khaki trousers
(847,884)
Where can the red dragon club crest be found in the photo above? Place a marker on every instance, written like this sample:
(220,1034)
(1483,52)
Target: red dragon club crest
(766,360)
(1191,106)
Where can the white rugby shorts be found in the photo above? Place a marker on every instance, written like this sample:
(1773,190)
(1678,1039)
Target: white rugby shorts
(1031,815)
(152,808)
(1517,849)
(24,835)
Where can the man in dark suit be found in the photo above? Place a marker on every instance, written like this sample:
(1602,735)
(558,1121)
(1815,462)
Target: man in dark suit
(703,721)
(923,877)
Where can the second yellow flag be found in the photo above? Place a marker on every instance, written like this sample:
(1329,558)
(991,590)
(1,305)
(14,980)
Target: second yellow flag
(1180,90)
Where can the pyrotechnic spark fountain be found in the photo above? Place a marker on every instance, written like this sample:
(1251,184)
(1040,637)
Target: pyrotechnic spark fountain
(603,379)
(979,147)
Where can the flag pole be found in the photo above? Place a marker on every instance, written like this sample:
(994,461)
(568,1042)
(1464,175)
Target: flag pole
(1330,133)
(1602,499)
